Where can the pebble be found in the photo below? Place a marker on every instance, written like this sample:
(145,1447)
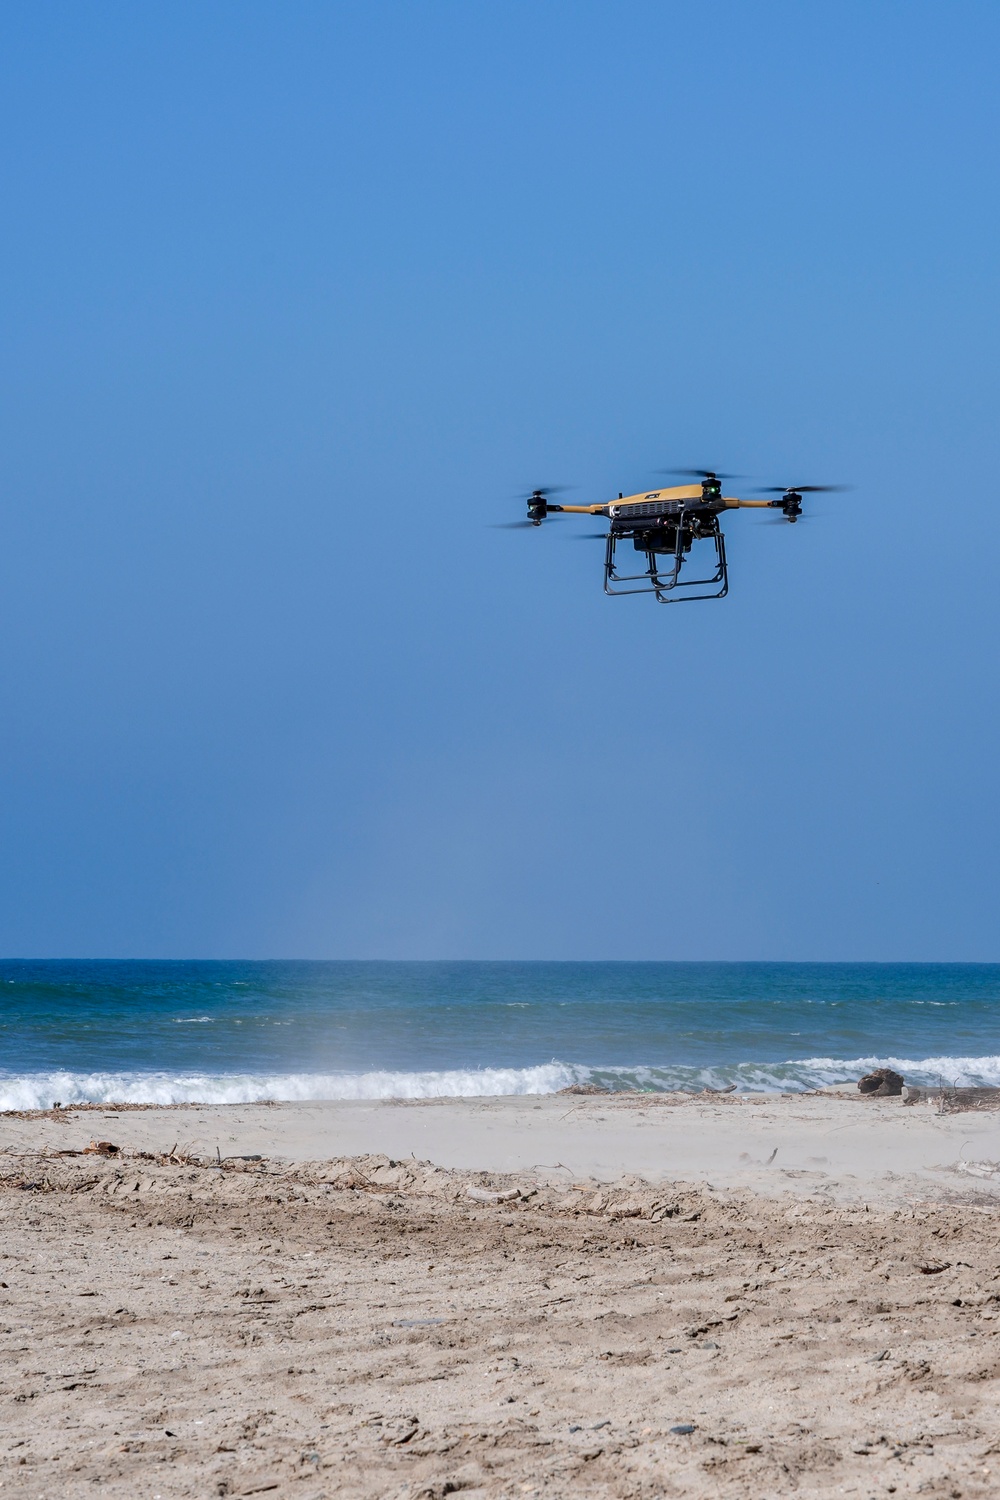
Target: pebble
(683,1428)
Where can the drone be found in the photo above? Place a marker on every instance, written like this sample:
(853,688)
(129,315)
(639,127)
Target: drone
(664,525)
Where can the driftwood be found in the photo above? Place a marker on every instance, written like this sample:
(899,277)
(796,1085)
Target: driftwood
(101,1148)
(483,1195)
(948,1099)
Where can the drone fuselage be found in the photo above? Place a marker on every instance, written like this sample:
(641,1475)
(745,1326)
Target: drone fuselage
(664,526)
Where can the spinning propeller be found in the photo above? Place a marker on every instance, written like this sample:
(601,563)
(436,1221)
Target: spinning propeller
(539,507)
(791,496)
(699,473)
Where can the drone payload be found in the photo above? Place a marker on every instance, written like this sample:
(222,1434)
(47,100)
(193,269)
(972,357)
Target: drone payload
(664,524)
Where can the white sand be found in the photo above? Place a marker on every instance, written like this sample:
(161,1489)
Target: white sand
(337,1325)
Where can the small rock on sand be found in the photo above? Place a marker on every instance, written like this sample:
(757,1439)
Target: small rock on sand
(881,1081)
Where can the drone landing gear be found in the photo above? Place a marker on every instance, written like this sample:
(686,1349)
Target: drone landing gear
(663,568)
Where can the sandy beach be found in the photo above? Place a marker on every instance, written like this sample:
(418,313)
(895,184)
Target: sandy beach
(611,1296)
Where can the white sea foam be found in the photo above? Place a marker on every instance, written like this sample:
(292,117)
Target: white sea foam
(41,1090)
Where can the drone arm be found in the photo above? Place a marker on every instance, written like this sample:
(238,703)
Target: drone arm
(733,504)
(582,510)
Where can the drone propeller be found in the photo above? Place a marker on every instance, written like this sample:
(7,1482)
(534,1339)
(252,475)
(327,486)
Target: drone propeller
(587,536)
(700,473)
(791,496)
(804,489)
(539,504)
(541,491)
(785,519)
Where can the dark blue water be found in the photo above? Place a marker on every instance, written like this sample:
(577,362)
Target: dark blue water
(163,1032)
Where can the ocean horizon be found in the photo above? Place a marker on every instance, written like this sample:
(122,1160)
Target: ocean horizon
(226,1031)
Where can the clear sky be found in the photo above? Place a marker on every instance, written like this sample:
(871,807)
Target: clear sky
(297,297)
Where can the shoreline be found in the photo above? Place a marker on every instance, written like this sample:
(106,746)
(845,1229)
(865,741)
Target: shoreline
(840,1145)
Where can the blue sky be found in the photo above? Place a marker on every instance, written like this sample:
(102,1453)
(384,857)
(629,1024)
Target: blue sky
(298,297)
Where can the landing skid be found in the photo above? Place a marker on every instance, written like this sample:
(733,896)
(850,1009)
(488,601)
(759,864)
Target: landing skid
(663,569)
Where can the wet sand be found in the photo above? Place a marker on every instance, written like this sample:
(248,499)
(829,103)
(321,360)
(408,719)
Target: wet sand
(334,1321)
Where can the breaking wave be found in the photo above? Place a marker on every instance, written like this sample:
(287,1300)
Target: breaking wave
(42,1090)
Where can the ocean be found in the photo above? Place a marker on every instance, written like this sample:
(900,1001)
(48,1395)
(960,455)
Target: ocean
(229,1032)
